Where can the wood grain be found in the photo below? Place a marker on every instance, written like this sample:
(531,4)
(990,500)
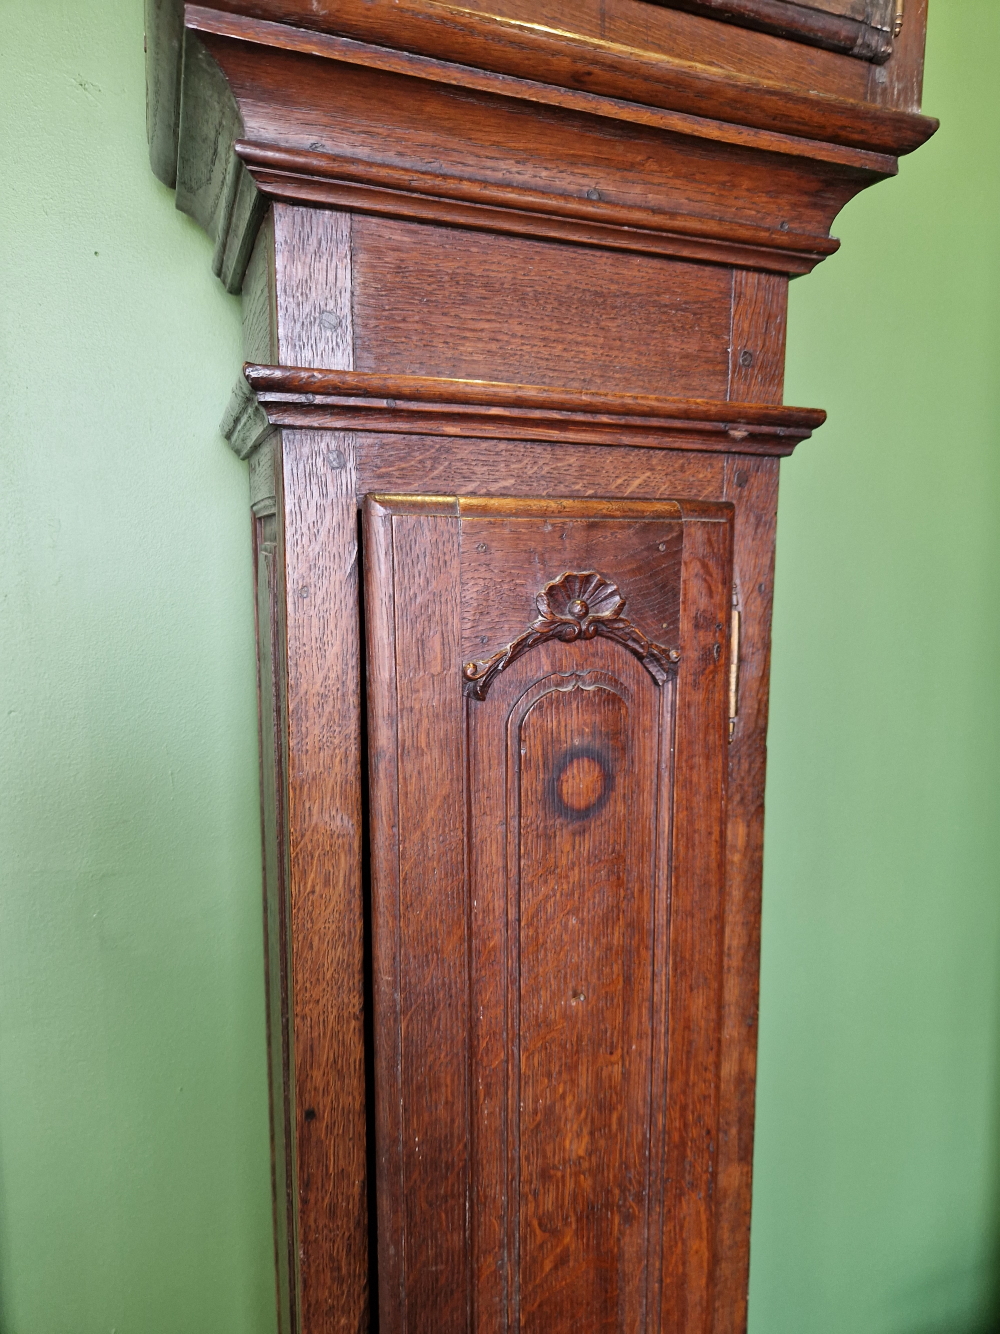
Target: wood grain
(312,258)
(573,60)
(512,468)
(686,36)
(259,297)
(691,1105)
(513,1018)
(752,485)
(861,30)
(318,1086)
(334,180)
(451,304)
(621,22)
(272,395)
(271,383)
(508,137)
(583,993)
(900,82)
(757,343)
(521,271)
(271,661)
(324,822)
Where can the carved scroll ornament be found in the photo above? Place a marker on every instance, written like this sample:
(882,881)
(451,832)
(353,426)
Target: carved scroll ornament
(577,605)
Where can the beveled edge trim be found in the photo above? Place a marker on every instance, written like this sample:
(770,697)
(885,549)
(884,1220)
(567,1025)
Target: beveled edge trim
(267,397)
(579,507)
(319,177)
(863,39)
(459,41)
(317,383)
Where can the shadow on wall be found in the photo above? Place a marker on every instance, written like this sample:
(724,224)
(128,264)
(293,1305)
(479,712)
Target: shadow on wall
(992,1326)
(943,1290)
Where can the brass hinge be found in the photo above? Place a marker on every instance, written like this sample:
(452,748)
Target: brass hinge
(734,664)
(897,26)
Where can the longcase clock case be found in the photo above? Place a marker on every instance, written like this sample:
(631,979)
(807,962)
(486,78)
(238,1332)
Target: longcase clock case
(514,282)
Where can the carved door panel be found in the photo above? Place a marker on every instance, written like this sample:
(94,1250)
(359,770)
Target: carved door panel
(548,735)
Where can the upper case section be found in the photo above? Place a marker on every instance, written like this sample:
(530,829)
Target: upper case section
(625,124)
(732,66)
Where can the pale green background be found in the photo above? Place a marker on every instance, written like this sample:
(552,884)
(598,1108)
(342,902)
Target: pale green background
(134,1177)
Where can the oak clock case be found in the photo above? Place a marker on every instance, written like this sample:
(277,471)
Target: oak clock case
(514,282)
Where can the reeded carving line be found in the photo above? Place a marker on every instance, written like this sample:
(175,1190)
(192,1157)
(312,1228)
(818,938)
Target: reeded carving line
(578,605)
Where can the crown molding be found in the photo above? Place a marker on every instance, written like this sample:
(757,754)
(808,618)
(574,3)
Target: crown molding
(571,60)
(310,177)
(268,112)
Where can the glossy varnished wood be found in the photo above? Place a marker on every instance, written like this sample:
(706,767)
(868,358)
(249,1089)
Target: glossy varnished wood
(525,932)
(520,268)
(623,23)
(752,486)
(574,59)
(270,395)
(307,594)
(514,144)
(860,28)
(324,849)
(519,129)
(466,306)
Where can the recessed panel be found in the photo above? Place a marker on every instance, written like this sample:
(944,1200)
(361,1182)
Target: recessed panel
(548,719)
(584,886)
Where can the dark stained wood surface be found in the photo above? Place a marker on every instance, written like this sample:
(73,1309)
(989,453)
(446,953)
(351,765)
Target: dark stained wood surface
(859,28)
(310,567)
(752,485)
(521,129)
(274,831)
(521,948)
(575,761)
(493,134)
(571,59)
(273,384)
(324,817)
(461,305)
(414,405)
(506,467)
(683,35)
(622,22)
(522,266)
(757,340)
(900,82)
(334,180)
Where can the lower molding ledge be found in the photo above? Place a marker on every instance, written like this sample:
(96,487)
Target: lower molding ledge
(268,397)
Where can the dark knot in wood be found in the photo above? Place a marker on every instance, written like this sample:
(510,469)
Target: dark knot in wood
(577,605)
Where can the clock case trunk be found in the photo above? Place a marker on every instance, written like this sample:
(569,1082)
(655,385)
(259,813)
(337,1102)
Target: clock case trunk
(514,307)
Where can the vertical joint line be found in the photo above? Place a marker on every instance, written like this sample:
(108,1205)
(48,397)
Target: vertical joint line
(734,662)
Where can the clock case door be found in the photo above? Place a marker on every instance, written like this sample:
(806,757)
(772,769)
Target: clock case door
(547,699)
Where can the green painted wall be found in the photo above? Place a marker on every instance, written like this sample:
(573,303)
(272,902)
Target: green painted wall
(134,1155)
(876,1200)
(134,1193)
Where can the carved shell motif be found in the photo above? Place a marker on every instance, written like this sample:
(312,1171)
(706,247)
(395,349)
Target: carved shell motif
(577,605)
(580,601)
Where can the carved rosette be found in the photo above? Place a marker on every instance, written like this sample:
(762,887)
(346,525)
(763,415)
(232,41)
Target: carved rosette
(577,605)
